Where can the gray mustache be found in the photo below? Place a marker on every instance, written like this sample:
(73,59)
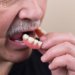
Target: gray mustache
(22,26)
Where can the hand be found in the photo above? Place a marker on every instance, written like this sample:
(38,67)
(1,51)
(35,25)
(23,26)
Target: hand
(59,53)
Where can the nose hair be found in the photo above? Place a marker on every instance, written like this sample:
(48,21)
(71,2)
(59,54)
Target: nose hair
(31,11)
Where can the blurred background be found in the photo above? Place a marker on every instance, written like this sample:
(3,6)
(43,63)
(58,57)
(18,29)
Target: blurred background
(60,16)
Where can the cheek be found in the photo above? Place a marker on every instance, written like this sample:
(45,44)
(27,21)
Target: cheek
(6,18)
(4,23)
(43,4)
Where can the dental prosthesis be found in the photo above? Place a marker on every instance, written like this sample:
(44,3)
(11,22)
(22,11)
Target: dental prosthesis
(32,42)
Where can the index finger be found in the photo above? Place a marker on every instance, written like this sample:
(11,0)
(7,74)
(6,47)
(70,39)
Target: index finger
(40,32)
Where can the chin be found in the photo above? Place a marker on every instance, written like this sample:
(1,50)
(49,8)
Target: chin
(18,59)
(16,56)
(21,56)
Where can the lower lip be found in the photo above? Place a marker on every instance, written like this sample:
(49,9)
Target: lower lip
(16,45)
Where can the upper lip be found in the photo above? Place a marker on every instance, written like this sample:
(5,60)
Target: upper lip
(22,26)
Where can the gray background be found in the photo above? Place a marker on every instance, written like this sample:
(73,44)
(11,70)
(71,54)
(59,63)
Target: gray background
(60,16)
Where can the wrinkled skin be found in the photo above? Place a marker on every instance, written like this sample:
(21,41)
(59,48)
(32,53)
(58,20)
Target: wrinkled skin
(12,11)
(59,52)
(59,47)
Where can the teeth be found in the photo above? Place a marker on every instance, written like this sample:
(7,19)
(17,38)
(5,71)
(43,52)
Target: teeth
(32,40)
(39,43)
(25,36)
(36,42)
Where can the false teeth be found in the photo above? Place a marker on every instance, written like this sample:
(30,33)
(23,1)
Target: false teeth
(36,42)
(25,36)
(39,43)
(31,41)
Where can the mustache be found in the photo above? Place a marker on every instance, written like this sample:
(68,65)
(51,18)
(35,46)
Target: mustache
(22,26)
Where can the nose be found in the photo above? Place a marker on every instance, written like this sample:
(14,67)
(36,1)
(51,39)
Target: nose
(31,10)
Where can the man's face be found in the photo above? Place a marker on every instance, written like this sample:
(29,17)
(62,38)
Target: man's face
(18,17)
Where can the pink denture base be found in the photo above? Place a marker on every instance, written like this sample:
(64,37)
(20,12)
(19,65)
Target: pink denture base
(31,45)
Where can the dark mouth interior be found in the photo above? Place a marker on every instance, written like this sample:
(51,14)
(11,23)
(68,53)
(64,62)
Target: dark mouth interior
(18,36)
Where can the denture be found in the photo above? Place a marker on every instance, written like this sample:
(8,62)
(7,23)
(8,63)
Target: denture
(32,42)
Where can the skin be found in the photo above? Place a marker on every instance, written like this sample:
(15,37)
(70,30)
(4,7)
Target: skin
(16,10)
(59,53)
(59,47)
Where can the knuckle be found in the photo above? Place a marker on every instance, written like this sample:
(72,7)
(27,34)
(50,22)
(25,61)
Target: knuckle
(67,45)
(56,59)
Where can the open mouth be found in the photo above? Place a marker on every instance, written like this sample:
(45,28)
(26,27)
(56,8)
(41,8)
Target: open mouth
(16,41)
(27,39)
(18,29)
(18,36)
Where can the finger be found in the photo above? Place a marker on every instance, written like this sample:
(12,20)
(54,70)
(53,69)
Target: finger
(40,32)
(58,50)
(56,39)
(59,71)
(63,61)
